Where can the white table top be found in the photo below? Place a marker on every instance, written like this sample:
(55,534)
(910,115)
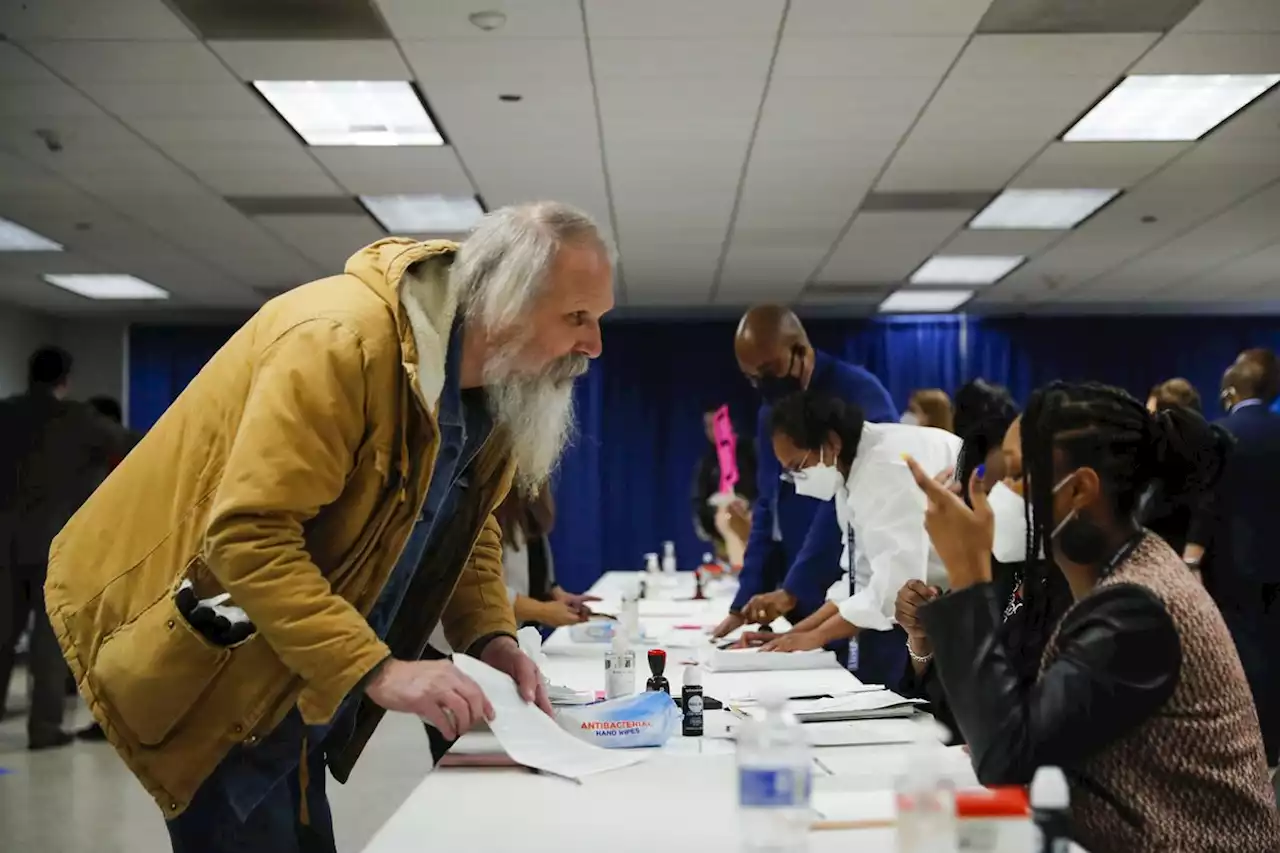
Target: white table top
(683,798)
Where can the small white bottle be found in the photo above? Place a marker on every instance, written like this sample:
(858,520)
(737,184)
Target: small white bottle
(619,667)
(668,558)
(629,619)
(1051,811)
(775,781)
(926,798)
(651,563)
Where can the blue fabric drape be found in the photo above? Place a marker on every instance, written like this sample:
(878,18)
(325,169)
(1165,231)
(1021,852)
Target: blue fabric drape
(624,485)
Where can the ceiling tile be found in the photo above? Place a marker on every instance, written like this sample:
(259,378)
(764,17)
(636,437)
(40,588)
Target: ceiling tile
(261,130)
(507,64)
(1016,108)
(178,100)
(633,58)
(1232,16)
(696,111)
(447,19)
(1102,165)
(1044,55)
(884,17)
(313,60)
(756,269)
(842,109)
(1213,53)
(131,61)
(679,19)
(328,240)
(1259,120)
(44,99)
(133,20)
(1002,242)
(396,171)
(927,165)
(17,67)
(882,248)
(867,56)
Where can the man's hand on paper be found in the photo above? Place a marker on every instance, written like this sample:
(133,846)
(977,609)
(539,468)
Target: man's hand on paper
(752,639)
(433,690)
(763,609)
(557,614)
(504,655)
(796,641)
(574,600)
(731,623)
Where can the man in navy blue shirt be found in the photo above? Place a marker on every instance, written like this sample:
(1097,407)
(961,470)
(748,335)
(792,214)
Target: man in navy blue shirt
(793,553)
(1246,572)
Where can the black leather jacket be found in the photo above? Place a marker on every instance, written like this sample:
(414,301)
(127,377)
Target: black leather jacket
(1093,692)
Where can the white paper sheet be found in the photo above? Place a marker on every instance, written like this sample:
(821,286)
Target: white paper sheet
(870,806)
(744,688)
(868,705)
(754,660)
(532,738)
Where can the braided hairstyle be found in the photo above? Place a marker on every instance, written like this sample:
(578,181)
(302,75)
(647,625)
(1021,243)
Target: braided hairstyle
(807,417)
(1104,428)
(984,413)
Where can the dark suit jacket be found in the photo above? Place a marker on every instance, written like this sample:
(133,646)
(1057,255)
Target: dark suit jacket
(1247,501)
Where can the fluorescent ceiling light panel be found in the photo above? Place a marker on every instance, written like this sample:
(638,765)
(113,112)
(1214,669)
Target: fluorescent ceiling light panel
(1168,107)
(108,286)
(965,269)
(924,301)
(352,112)
(15,238)
(1041,209)
(416,214)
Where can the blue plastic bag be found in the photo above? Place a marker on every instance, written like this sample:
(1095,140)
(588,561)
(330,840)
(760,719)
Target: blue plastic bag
(645,719)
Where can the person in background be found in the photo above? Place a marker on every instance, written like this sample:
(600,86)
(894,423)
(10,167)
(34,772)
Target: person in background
(1246,569)
(1270,364)
(983,413)
(1140,699)
(708,518)
(1024,629)
(930,407)
(331,473)
(832,454)
(793,552)
(1184,521)
(53,453)
(109,408)
(528,567)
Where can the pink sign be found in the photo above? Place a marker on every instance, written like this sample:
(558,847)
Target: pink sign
(726,450)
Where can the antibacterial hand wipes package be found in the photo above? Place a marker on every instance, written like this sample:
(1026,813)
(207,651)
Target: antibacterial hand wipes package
(645,719)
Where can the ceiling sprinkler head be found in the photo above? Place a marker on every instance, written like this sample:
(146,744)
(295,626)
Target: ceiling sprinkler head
(488,20)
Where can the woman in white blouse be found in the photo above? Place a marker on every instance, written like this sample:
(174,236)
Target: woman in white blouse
(528,567)
(830,453)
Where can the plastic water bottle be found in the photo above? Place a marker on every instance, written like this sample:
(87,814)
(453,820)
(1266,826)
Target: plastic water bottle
(926,797)
(775,781)
(1051,811)
(668,558)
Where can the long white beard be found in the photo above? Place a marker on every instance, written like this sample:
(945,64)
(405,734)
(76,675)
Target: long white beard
(535,411)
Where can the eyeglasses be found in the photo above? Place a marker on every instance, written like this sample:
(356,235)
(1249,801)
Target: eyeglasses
(791,475)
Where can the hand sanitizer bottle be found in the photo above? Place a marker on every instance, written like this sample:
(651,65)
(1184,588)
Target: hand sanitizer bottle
(619,668)
(651,563)
(668,558)
(926,800)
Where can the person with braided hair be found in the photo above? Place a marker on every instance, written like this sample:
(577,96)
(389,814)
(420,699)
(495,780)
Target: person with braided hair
(1141,698)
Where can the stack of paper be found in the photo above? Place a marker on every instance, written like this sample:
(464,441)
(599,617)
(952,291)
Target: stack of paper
(868,705)
(532,738)
(754,660)
(744,688)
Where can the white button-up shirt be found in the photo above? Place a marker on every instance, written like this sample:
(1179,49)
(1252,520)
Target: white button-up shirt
(885,508)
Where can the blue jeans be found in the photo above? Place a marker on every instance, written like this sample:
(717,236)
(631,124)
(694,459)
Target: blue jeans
(211,825)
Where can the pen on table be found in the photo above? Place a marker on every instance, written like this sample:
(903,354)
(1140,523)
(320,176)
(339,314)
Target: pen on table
(824,768)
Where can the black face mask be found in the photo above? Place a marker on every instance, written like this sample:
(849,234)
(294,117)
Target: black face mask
(1082,541)
(774,388)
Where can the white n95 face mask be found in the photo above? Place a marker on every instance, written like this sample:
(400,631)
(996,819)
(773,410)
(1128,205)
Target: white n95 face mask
(820,481)
(1009,508)
(910,419)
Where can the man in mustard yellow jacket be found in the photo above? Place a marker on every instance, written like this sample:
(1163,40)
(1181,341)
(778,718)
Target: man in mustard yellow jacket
(254,586)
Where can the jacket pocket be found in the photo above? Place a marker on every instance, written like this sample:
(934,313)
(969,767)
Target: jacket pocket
(154,670)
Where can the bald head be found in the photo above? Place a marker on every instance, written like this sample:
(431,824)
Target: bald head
(1242,381)
(1269,362)
(769,342)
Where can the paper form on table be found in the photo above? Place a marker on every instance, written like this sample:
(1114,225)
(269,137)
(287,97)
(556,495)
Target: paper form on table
(532,738)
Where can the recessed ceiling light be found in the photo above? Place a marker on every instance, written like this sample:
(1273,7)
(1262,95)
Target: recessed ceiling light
(924,301)
(1168,107)
(1041,209)
(352,112)
(418,214)
(108,286)
(965,269)
(16,238)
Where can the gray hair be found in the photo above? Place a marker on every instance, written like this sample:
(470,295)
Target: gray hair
(504,262)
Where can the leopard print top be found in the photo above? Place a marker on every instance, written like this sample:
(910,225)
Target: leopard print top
(1193,777)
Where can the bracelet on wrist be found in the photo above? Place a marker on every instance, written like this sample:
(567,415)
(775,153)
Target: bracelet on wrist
(915,657)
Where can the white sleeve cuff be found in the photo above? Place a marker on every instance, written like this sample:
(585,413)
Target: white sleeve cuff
(865,611)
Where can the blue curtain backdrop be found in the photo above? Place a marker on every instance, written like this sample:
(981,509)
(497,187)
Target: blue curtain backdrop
(624,486)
